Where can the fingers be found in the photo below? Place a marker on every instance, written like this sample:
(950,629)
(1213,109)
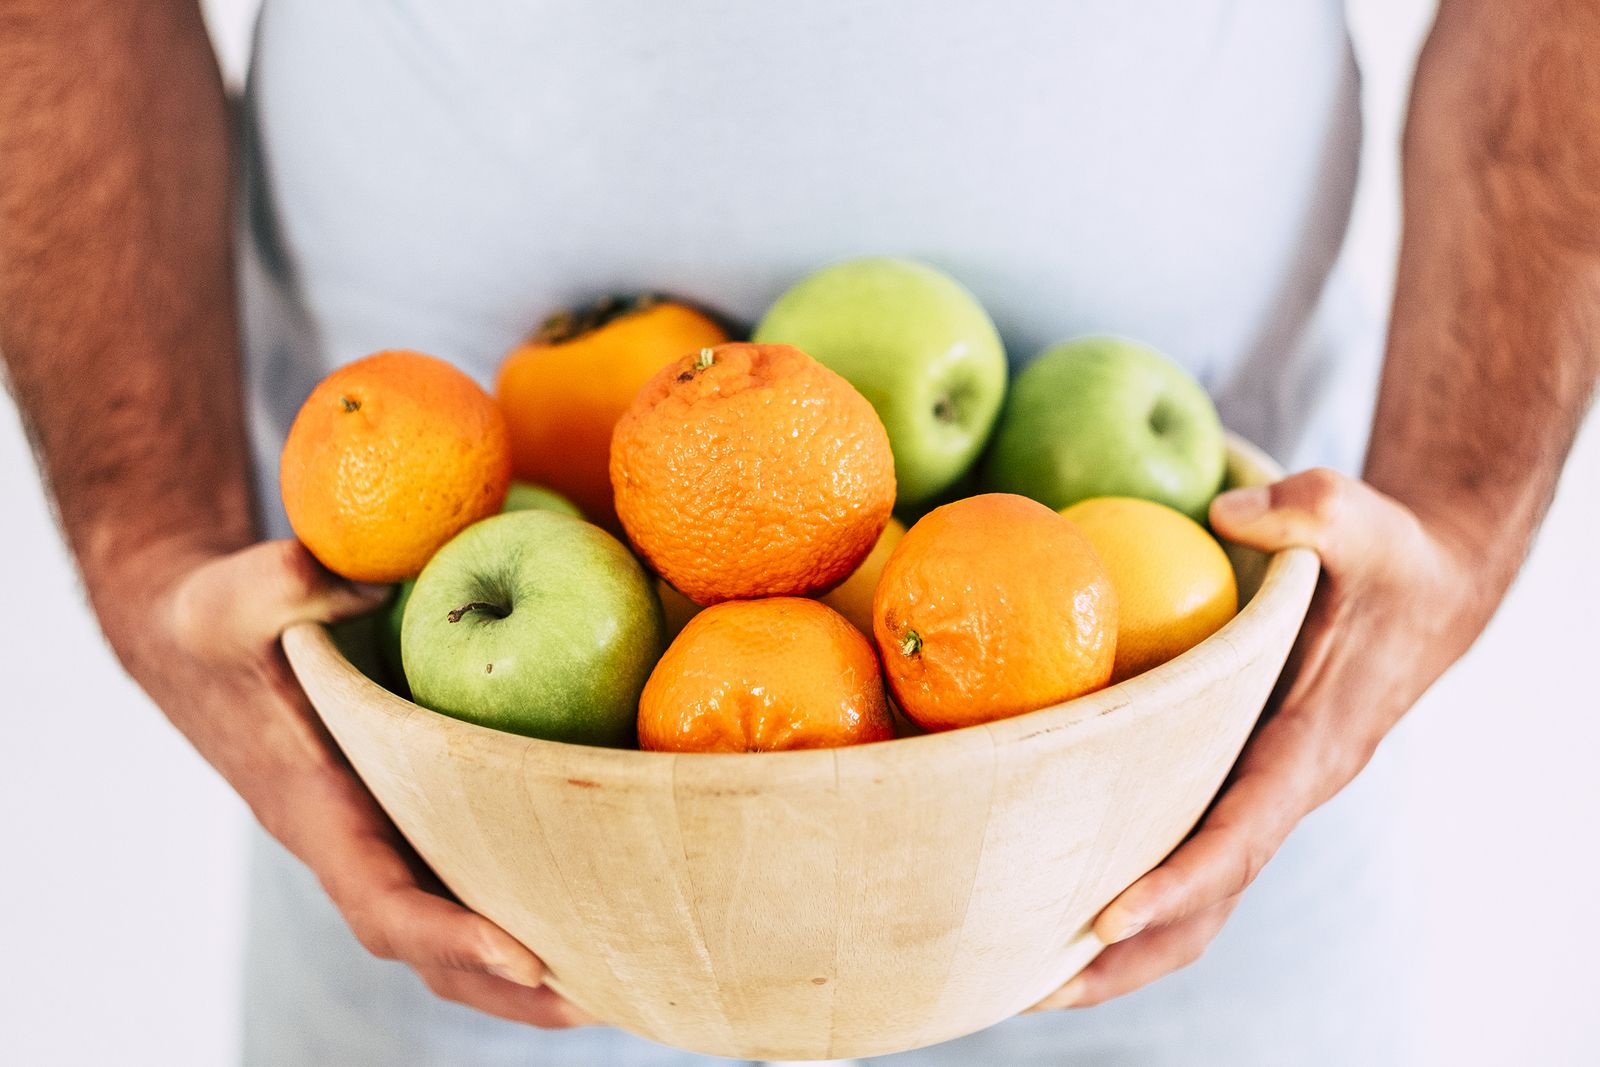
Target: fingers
(1345,521)
(376,882)
(463,957)
(542,1007)
(1124,967)
(428,931)
(293,587)
(254,594)
(1233,844)
(1327,716)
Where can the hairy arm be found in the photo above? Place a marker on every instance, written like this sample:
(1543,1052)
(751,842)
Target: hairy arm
(1494,345)
(117,325)
(1494,351)
(116,284)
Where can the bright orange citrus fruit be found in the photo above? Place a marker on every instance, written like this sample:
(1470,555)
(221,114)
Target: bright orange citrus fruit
(990,607)
(762,676)
(389,458)
(1175,586)
(564,390)
(749,471)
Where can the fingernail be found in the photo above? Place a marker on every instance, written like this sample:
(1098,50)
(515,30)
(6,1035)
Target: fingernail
(1131,930)
(1242,505)
(524,976)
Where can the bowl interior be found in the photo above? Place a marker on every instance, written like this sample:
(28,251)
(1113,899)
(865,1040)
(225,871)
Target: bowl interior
(356,640)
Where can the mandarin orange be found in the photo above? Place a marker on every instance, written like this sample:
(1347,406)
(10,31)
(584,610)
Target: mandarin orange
(762,676)
(748,471)
(565,388)
(390,457)
(990,607)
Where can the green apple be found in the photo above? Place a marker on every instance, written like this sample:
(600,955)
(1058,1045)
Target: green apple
(524,497)
(917,345)
(519,497)
(536,623)
(1105,416)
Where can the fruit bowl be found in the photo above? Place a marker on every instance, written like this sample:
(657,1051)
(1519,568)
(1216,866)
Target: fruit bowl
(834,903)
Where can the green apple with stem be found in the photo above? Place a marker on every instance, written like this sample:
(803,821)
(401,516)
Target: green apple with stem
(917,345)
(521,496)
(1106,416)
(536,623)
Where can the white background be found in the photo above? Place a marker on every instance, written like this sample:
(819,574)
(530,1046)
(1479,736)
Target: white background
(121,905)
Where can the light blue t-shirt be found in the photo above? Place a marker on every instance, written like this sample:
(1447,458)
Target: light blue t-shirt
(442,175)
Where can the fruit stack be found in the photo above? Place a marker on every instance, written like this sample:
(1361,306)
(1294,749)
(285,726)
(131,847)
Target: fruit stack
(840,531)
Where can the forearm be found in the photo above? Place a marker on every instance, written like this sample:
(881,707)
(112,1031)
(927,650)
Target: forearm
(117,317)
(1494,346)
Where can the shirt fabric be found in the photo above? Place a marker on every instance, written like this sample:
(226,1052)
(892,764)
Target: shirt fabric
(441,176)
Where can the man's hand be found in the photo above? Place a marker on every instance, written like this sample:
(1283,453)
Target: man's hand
(118,330)
(208,653)
(1396,605)
(1493,355)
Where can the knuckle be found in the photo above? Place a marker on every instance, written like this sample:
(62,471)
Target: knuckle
(187,613)
(464,958)
(298,572)
(1252,860)
(439,983)
(198,612)
(373,935)
(1320,492)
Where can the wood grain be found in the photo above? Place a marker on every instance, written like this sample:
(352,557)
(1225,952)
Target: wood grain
(827,904)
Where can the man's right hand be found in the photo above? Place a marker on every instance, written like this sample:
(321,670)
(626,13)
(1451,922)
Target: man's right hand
(119,339)
(208,653)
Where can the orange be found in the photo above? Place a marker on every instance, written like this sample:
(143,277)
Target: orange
(1175,586)
(762,676)
(852,598)
(990,607)
(749,471)
(389,458)
(564,390)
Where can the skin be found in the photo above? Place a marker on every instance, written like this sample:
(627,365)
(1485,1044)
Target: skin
(118,328)
(1493,355)
(114,254)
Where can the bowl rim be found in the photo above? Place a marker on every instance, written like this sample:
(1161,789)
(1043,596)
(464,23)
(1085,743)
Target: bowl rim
(1286,586)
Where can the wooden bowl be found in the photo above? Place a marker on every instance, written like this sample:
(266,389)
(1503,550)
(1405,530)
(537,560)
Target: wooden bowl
(826,904)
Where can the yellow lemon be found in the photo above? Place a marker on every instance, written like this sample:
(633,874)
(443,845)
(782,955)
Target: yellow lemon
(1175,587)
(852,598)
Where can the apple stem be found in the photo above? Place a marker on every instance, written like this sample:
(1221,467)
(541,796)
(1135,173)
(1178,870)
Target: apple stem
(911,643)
(476,605)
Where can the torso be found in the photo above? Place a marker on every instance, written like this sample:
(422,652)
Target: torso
(442,176)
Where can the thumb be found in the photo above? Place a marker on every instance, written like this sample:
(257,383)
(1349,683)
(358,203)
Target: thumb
(288,585)
(1340,518)
(253,595)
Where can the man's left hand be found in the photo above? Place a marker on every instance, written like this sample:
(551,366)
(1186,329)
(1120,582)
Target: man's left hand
(1397,604)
